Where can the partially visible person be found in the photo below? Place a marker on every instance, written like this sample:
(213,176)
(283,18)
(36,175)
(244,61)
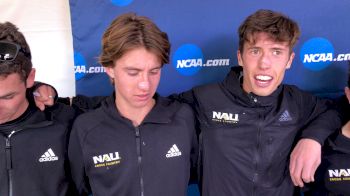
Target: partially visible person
(333,175)
(136,142)
(33,155)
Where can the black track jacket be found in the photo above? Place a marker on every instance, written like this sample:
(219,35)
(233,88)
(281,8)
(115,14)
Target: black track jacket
(33,158)
(333,175)
(246,139)
(109,156)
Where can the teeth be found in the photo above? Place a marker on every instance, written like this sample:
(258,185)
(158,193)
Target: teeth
(262,77)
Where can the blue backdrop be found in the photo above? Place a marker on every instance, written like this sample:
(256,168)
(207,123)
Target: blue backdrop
(206,30)
(204,40)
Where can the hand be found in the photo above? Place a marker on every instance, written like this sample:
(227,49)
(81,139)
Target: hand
(44,96)
(304,160)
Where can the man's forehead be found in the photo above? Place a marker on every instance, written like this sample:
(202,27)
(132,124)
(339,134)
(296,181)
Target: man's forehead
(12,77)
(265,37)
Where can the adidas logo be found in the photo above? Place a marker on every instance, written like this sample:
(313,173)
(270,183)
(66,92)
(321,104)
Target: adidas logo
(49,155)
(285,116)
(173,152)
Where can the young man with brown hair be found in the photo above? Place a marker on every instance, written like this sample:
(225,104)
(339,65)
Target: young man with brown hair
(250,122)
(33,155)
(137,142)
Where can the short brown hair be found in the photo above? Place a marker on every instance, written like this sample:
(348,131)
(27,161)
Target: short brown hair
(129,31)
(23,63)
(280,28)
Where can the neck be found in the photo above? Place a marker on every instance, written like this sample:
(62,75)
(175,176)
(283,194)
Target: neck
(346,130)
(136,115)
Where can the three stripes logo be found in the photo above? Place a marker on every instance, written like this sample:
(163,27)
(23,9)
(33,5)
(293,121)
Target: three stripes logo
(49,155)
(173,152)
(285,116)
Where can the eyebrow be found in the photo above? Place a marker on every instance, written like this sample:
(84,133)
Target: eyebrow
(137,69)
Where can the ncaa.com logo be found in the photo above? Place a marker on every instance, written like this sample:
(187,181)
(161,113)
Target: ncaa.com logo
(81,69)
(188,59)
(121,3)
(318,53)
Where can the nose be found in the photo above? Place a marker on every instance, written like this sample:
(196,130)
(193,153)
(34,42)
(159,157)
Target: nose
(265,61)
(144,83)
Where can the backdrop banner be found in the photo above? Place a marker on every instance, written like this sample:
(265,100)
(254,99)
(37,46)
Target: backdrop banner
(205,41)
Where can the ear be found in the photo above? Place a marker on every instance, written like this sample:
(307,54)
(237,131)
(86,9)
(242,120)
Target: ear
(110,72)
(347,93)
(31,78)
(239,58)
(290,61)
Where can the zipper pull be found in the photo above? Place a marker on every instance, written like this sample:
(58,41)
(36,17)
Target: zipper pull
(8,154)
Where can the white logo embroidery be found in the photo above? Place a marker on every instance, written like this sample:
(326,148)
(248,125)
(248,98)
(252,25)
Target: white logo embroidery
(339,173)
(49,155)
(106,159)
(285,116)
(173,152)
(225,117)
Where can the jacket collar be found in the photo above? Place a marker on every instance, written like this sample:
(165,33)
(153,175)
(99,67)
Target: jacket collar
(233,85)
(33,118)
(162,112)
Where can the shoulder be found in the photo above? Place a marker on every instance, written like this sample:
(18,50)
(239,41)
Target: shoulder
(88,122)
(295,93)
(173,108)
(90,118)
(62,113)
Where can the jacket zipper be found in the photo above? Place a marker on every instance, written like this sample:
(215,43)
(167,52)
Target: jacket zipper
(139,158)
(8,152)
(257,158)
(9,162)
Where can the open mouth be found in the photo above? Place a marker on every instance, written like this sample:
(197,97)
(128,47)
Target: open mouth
(263,80)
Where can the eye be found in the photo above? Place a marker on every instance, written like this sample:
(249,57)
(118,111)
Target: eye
(8,97)
(277,52)
(132,72)
(155,71)
(255,51)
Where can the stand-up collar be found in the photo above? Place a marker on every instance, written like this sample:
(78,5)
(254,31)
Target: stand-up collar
(162,112)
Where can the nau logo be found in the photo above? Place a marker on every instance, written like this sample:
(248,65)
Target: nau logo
(225,117)
(106,159)
(339,174)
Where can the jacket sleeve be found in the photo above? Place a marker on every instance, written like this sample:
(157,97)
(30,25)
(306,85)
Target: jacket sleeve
(184,97)
(83,103)
(76,161)
(319,118)
(195,166)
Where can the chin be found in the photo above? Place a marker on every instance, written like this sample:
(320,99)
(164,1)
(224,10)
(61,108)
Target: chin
(263,93)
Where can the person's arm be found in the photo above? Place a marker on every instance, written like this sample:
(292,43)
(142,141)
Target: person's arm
(76,161)
(46,95)
(185,97)
(320,119)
